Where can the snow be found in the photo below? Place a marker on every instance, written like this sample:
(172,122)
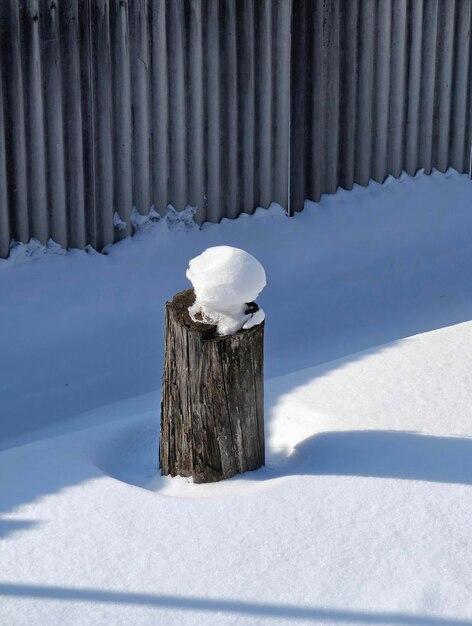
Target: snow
(225,280)
(362,514)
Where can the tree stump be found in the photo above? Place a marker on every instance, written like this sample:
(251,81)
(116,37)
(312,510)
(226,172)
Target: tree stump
(212,411)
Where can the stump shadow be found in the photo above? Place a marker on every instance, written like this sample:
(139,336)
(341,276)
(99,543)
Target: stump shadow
(364,453)
(380,454)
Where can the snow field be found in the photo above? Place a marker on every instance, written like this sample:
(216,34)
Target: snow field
(362,515)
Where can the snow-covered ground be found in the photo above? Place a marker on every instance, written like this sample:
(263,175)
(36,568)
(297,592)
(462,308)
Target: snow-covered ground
(362,515)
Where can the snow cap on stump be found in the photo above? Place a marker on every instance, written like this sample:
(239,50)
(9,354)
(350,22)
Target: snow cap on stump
(225,281)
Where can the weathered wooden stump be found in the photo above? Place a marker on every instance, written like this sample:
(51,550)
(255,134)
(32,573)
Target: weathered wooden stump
(212,412)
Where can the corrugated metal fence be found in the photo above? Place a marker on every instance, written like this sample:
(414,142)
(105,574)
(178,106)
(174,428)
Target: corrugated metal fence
(378,86)
(221,104)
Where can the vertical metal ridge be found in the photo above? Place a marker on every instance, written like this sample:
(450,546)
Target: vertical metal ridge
(140,62)
(398,100)
(14,120)
(468,124)
(54,123)
(302,27)
(88,112)
(212,112)
(313,109)
(103,113)
(35,132)
(194,104)
(159,112)
(363,157)
(331,71)
(428,80)
(122,127)
(461,67)
(176,105)
(281,58)
(5,232)
(444,82)
(230,116)
(383,61)
(413,112)
(246,103)
(74,94)
(263,99)
(349,17)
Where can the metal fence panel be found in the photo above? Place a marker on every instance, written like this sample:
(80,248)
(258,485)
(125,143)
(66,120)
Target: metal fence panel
(377,87)
(106,105)
(225,105)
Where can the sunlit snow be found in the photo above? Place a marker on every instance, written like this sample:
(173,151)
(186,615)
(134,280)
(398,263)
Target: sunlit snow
(362,513)
(225,281)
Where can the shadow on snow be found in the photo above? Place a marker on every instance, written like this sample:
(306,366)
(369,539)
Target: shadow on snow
(229,606)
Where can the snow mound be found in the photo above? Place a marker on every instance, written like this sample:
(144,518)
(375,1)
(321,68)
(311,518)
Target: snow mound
(225,280)
(34,249)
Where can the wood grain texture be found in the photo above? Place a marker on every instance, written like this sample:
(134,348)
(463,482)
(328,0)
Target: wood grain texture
(212,412)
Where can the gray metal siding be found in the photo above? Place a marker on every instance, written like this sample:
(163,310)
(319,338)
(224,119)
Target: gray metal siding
(225,105)
(381,86)
(110,105)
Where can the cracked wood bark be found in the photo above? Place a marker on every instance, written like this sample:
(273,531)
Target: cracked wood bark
(212,411)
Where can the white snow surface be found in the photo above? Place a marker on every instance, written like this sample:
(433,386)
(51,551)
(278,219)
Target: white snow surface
(225,280)
(362,513)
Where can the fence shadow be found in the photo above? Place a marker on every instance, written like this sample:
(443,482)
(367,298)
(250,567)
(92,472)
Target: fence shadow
(256,609)
(8,527)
